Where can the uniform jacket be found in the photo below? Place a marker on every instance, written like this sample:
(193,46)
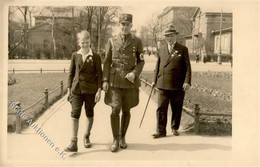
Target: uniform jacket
(85,77)
(172,70)
(122,58)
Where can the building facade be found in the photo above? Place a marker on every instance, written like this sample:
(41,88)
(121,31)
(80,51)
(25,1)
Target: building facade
(180,17)
(204,39)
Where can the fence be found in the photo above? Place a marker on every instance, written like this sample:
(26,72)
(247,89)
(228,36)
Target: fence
(43,104)
(195,112)
(40,70)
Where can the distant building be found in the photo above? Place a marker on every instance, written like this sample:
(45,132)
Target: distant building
(41,42)
(180,17)
(40,36)
(205,34)
(226,41)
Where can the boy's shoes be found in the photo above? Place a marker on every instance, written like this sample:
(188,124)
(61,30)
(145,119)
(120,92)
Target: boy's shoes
(73,147)
(87,143)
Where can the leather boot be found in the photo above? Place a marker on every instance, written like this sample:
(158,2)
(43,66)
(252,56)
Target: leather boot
(86,140)
(124,125)
(73,147)
(123,144)
(114,120)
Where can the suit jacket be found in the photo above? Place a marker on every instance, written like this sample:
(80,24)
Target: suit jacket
(122,58)
(172,70)
(84,78)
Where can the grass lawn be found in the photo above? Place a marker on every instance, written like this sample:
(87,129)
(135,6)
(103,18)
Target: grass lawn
(207,103)
(218,83)
(29,88)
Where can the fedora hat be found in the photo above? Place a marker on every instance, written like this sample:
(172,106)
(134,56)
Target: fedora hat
(170,30)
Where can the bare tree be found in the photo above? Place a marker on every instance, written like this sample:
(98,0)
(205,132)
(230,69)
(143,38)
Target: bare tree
(90,12)
(24,11)
(183,20)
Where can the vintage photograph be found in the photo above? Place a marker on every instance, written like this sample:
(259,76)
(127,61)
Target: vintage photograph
(121,84)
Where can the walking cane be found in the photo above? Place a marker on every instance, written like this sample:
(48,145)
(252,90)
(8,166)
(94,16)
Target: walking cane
(146,106)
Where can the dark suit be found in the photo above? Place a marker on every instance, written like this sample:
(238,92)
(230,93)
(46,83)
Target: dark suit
(171,72)
(84,81)
(84,78)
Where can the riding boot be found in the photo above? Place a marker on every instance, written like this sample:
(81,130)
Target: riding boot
(125,119)
(115,130)
(86,139)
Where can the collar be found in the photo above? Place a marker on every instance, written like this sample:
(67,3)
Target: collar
(126,36)
(172,44)
(90,53)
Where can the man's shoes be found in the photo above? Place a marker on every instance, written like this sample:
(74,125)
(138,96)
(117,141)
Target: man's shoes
(87,143)
(175,132)
(114,146)
(158,135)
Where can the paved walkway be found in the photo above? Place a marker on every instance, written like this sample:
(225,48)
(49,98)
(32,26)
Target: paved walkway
(56,126)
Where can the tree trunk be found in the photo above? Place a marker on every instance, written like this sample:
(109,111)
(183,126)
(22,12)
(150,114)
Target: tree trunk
(53,35)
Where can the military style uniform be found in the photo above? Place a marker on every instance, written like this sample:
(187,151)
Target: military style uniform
(124,56)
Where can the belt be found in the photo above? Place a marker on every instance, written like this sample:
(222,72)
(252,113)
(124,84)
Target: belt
(120,66)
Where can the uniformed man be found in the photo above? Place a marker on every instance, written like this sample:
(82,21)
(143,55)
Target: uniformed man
(123,64)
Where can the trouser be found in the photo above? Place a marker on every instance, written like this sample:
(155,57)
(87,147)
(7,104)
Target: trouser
(175,98)
(77,102)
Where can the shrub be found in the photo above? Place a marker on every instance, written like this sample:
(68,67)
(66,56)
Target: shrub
(11,80)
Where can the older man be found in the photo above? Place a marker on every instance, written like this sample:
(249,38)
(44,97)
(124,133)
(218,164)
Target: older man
(172,78)
(123,64)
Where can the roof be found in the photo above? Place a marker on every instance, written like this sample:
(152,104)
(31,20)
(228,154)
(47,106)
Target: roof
(212,10)
(229,29)
(46,23)
(170,8)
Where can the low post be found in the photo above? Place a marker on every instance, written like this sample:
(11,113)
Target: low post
(41,70)
(197,118)
(13,70)
(64,70)
(61,88)
(18,119)
(46,98)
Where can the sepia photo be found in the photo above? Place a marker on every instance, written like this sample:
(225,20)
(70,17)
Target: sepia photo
(171,83)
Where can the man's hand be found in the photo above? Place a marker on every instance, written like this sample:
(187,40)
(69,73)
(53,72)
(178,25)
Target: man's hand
(130,76)
(68,94)
(153,84)
(186,86)
(105,86)
(98,95)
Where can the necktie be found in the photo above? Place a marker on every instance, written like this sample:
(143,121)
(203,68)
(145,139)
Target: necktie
(171,49)
(124,38)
